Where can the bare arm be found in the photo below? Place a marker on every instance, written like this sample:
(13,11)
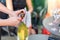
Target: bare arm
(12,21)
(9,4)
(4,23)
(8,11)
(5,10)
(29,4)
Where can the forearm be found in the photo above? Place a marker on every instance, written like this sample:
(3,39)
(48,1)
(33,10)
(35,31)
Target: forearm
(29,4)
(30,10)
(9,4)
(5,22)
(4,9)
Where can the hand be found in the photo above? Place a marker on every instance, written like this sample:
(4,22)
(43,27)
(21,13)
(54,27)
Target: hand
(13,21)
(16,13)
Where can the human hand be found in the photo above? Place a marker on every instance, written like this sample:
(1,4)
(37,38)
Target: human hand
(13,21)
(16,13)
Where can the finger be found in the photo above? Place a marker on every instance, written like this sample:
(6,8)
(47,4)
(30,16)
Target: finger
(19,19)
(22,10)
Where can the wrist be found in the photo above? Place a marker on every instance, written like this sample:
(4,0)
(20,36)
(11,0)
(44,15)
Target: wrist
(30,10)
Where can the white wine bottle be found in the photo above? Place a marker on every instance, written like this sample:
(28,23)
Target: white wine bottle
(22,31)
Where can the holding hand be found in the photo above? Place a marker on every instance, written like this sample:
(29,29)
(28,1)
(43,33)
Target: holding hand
(13,21)
(14,18)
(16,13)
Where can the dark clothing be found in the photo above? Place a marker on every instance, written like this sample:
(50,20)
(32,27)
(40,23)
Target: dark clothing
(3,15)
(19,4)
(52,38)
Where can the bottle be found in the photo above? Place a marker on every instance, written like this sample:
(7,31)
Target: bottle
(22,31)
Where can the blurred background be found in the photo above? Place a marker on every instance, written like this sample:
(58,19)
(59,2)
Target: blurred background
(37,16)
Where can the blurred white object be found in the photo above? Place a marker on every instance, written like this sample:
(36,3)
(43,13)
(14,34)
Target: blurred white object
(54,29)
(27,18)
(56,13)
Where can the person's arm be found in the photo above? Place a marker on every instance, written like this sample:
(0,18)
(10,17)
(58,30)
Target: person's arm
(29,5)
(12,21)
(9,4)
(8,11)
(5,10)
(4,23)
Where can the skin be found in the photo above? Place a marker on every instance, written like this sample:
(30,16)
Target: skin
(12,21)
(29,4)
(9,21)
